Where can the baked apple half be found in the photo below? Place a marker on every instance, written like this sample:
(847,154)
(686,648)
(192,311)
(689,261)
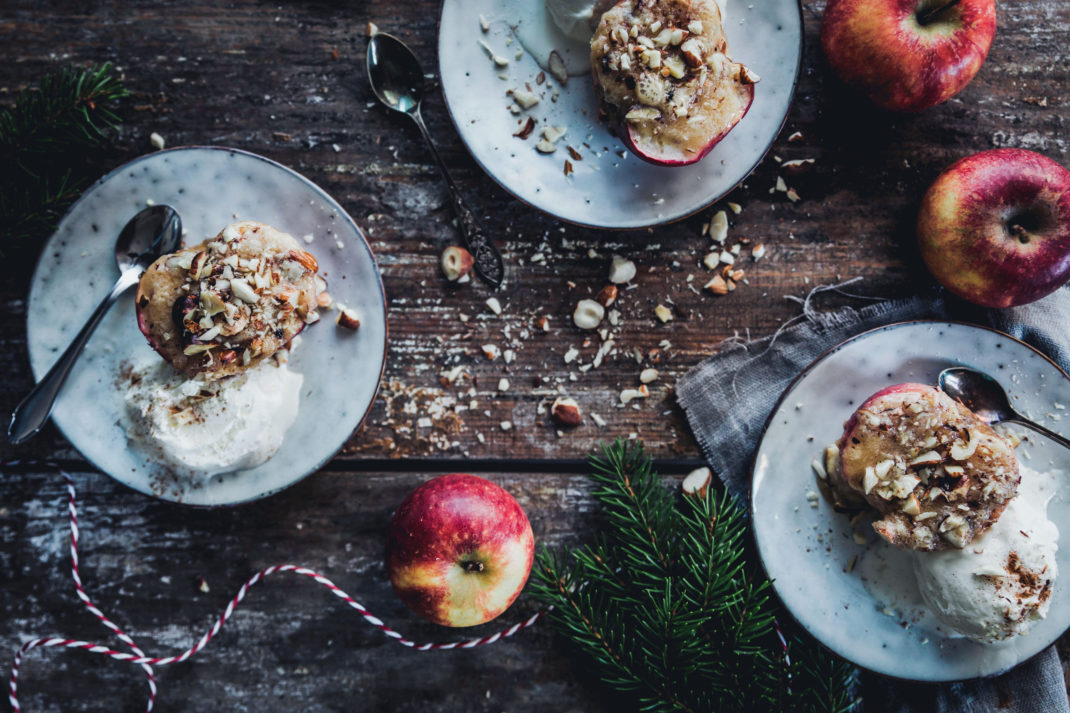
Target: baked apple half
(665,80)
(939,476)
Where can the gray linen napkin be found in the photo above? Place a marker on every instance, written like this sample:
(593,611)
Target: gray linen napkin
(728,397)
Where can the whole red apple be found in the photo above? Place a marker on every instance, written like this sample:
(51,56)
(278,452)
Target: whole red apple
(460,550)
(908,55)
(994,228)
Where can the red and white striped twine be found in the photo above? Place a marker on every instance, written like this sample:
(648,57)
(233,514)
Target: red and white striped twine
(138,657)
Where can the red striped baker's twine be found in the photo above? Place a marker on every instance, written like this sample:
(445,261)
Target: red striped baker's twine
(139,658)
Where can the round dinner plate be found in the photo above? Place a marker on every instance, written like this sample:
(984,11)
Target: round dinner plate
(860,600)
(608,186)
(210,188)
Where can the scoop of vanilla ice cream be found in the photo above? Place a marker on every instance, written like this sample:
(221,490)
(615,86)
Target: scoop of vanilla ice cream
(201,428)
(574,17)
(1001,583)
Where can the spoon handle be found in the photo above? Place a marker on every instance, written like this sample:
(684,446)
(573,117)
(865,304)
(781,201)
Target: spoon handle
(486,258)
(32,413)
(1065,442)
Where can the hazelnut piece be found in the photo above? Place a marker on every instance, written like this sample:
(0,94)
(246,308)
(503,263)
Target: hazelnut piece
(456,262)
(588,314)
(566,411)
(607,296)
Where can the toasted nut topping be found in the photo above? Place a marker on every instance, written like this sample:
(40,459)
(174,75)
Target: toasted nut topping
(241,290)
(306,260)
(199,268)
(642,113)
(961,451)
(927,458)
(692,52)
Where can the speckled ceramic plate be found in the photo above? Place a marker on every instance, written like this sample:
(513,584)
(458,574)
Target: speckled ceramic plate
(871,614)
(609,187)
(210,187)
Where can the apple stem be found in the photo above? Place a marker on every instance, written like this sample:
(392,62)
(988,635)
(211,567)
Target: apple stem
(1023,235)
(927,16)
(473,566)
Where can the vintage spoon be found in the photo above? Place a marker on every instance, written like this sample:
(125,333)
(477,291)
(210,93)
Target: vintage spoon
(398,81)
(149,234)
(984,396)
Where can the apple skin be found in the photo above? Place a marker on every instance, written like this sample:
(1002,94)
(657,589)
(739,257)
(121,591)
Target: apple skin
(634,140)
(994,228)
(460,550)
(879,47)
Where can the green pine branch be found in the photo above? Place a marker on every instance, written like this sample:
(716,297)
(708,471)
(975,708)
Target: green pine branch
(668,611)
(44,139)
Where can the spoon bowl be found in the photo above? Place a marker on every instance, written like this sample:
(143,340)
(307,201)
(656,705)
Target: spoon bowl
(395,74)
(983,395)
(152,232)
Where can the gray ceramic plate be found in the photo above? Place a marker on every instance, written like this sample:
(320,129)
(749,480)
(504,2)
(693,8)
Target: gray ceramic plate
(210,187)
(610,187)
(872,615)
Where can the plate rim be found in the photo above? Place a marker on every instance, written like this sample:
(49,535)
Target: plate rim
(754,466)
(330,202)
(656,223)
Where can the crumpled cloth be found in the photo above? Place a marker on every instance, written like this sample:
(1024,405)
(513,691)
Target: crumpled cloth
(728,397)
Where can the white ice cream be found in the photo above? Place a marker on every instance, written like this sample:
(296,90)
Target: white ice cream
(574,17)
(997,586)
(201,428)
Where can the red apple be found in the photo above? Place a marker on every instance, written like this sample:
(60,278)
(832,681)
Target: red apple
(908,55)
(669,89)
(460,550)
(995,227)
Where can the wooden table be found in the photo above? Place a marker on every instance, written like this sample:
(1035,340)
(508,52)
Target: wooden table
(286,80)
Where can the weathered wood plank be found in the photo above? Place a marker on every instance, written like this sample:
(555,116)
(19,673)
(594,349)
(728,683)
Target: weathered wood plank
(292,644)
(266,80)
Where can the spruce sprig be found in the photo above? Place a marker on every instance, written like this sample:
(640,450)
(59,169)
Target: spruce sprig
(44,139)
(669,611)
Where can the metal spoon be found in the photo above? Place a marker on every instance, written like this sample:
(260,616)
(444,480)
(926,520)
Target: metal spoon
(398,81)
(149,234)
(984,396)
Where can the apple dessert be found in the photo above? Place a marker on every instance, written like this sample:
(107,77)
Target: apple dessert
(229,303)
(938,475)
(665,80)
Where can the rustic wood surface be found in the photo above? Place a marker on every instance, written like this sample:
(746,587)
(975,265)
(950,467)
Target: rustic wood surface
(286,80)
